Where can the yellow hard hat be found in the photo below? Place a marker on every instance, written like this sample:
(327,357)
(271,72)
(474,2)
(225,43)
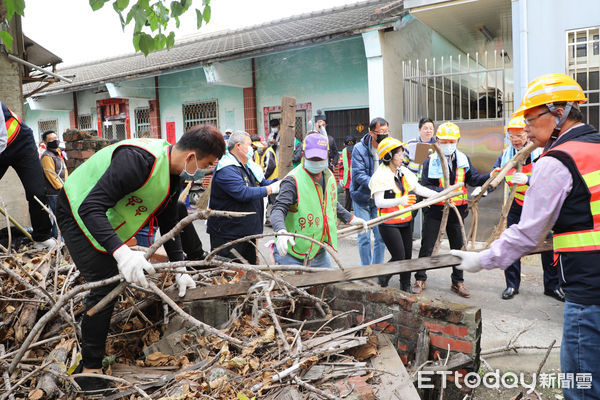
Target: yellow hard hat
(388,144)
(550,88)
(515,123)
(448,130)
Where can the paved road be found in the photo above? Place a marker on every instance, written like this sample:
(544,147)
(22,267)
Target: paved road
(502,319)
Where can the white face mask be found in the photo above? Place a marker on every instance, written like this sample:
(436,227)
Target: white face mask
(448,148)
(314,167)
(274,130)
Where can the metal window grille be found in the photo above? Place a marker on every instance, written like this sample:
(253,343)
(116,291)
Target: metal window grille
(142,122)
(300,121)
(45,125)
(202,112)
(85,122)
(583,64)
(114,130)
(456,88)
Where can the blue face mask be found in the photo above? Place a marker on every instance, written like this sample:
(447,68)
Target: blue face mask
(448,148)
(314,167)
(197,175)
(250,153)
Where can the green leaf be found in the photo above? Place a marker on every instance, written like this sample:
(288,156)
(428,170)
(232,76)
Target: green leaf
(206,13)
(7,39)
(160,41)
(199,18)
(14,6)
(170,40)
(108,360)
(123,4)
(176,9)
(147,44)
(136,42)
(186,4)
(97,4)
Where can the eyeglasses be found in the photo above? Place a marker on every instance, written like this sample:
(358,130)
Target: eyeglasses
(529,120)
(382,132)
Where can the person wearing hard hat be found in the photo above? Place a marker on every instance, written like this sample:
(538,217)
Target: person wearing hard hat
(512,274)
(563,196)
(392,186)
(461,171)
(315,215)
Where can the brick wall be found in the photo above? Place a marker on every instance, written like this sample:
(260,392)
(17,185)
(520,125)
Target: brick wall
(81,145)
(451,324)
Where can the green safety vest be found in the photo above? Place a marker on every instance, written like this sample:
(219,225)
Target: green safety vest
(130,213)
(314,214)
(347,167)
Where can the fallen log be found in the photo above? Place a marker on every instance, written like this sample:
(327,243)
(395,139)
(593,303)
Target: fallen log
(28,315)
(336,275)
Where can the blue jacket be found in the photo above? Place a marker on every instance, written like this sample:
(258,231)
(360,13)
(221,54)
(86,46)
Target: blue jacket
(363,167)
(234,188)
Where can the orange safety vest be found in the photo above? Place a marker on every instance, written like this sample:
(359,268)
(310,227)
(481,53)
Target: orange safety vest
(399,192)
(521,189)
(585,158)
(13,125)
(461,198)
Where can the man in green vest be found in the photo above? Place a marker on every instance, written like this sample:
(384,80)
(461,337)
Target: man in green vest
(104,203)
(307,204)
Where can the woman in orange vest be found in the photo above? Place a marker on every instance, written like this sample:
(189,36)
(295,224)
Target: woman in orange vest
(391,185)
(18,150)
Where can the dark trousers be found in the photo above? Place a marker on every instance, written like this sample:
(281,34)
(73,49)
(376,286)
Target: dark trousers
(348,200)
(432,218)
(22,155)
(512,274)
(94,266)
(246,249)
(52,205)
(398,240)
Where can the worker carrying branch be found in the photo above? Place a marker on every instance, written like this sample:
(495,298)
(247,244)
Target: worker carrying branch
(563,195)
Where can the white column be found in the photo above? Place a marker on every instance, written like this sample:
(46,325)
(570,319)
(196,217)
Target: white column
(374,56)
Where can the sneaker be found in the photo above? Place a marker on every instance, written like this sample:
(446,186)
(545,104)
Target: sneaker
(418,287)
(384,280)
(460,289)
(46,244)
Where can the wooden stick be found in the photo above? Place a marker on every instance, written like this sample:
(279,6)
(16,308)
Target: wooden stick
(443,195)
(335,275)
(16,224)
(445,211)
(273,316)
(5,374)
(504,214)
(207,328)
(200,214)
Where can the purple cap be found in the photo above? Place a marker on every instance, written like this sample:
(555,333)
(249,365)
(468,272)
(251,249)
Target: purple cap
(316,145)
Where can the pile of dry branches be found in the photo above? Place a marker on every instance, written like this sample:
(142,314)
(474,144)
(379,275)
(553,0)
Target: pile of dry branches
(261,350)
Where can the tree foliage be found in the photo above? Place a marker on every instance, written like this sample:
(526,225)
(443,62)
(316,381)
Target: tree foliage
(151,19)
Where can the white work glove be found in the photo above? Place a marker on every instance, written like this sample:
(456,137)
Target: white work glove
(470,260)
(520,178)
(184,281)
(132,265)
(359,221)
(476,192)
(283,242)
(275,187)
(408,200)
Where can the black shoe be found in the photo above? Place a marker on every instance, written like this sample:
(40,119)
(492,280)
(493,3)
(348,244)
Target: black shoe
(384,280)
(93,386)
(406,287)
(509,293)
(558,294)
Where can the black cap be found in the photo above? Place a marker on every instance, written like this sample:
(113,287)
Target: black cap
(350,140)
(274,122)
(320,116)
